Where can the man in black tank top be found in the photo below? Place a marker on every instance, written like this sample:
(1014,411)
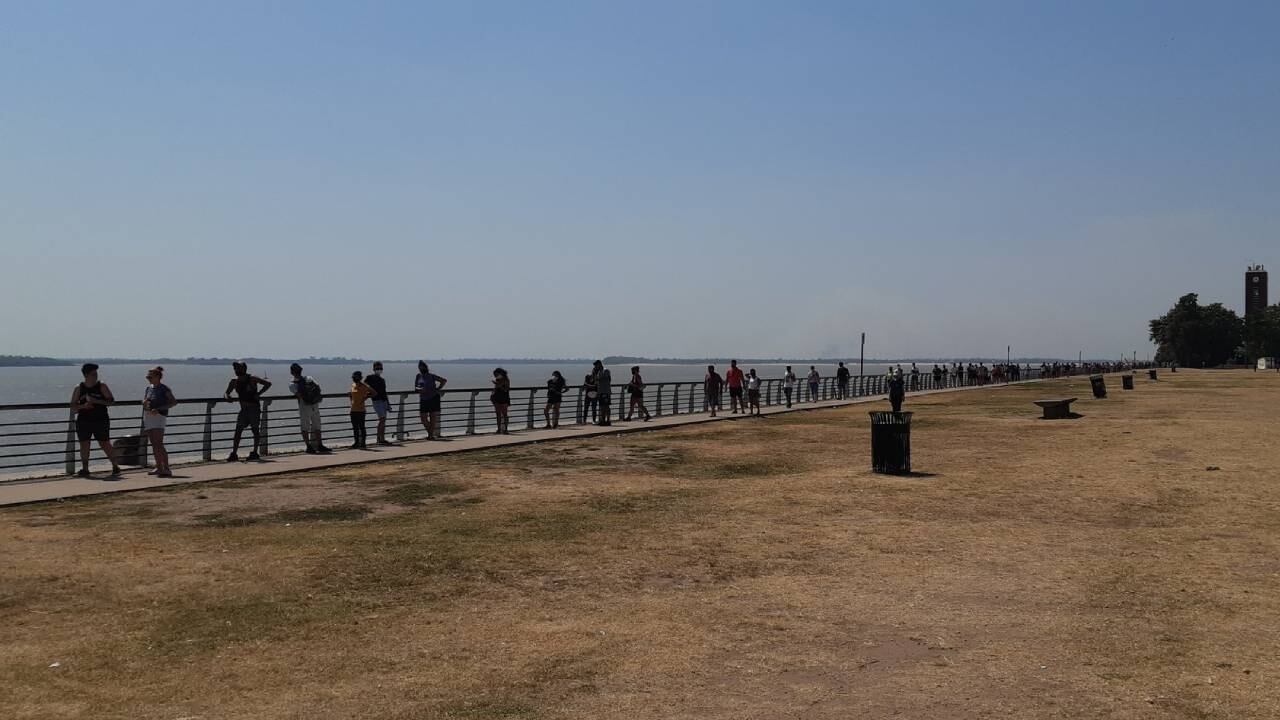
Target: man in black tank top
(90,400)
(248,392)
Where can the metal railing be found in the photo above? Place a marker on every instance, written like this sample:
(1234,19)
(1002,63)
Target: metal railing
(39,440)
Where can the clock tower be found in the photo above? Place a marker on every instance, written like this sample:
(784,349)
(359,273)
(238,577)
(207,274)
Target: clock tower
(1255,291)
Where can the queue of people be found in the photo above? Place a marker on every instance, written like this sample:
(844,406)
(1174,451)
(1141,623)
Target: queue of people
(91,398)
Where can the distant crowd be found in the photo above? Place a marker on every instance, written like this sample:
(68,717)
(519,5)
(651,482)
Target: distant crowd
(92,397)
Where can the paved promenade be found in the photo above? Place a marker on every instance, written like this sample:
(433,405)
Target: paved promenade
(17,492)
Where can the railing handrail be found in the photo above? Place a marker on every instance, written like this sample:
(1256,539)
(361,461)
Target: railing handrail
(800,379)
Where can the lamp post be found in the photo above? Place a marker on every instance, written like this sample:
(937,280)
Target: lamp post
(862,354)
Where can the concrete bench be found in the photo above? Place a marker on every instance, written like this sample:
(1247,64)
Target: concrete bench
(1056,409)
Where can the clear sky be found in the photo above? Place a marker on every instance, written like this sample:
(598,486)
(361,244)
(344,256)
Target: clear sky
(554,179)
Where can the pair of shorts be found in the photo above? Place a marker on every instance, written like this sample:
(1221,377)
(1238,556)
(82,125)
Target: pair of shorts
(248,416)
(753,395)
(154,422)
(428,404)
(735,392)
(309,417)
(713,400)
(555,399)
(381,408)
(500,398)
(93,429)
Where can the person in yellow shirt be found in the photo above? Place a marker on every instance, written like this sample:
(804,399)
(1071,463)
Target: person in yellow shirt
(360,392)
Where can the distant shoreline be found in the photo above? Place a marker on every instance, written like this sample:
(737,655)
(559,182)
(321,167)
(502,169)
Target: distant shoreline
(37,361)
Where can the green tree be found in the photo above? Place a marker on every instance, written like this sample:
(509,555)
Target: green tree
(1262,334)
(1193,335)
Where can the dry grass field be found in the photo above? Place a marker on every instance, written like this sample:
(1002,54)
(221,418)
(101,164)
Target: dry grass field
(1119,565)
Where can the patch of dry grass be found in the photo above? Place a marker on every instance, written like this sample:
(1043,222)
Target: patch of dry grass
(748,569)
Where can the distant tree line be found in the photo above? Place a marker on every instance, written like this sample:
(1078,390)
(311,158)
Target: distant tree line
(1195,335)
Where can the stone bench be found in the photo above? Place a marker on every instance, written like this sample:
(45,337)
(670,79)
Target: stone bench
(1056,409)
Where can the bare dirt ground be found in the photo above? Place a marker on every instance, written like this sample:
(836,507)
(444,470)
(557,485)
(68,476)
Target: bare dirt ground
(1085,568)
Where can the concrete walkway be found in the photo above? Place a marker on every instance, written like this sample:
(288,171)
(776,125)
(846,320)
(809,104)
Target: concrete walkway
(17,492)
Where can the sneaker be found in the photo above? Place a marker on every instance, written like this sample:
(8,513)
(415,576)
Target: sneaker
(84,473)
(384,443)
(115,470)
(253,457)
(234,457)
(311,450)
(165,474)
(323,450)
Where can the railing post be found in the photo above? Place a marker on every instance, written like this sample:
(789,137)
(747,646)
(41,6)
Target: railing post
(71,444)
(264,425)
(533,394)
(658,411)
(471,413)
(622,398)
(144,442)
(208,431)
(579,414)
(400,418)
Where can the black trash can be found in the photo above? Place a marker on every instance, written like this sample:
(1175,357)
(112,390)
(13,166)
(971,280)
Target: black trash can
(1126,381)
(891,442)
(1099,386)
(129,450)
(1151,374)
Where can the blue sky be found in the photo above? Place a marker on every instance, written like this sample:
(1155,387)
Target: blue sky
(588,178)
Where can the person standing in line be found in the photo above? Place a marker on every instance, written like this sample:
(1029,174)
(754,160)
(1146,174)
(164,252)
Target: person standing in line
(753,392)
(604,388)
(90,400)
(735,379)
(156,402)
(788,384)
(590,398)
(360,393)
(842,381)
(555,396)
(309,394)
(428,386)
(501,399)
(814,379)
(897,390)
(248,389)
(712,386)
(381,401)
(915,377)
(636,388)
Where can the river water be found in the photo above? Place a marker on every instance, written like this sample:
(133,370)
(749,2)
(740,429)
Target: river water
(26,385)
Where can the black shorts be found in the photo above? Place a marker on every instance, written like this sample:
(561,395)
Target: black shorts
(735,392)
(93,429)
(429,405)
(500,398)
(554,399)
(248,416)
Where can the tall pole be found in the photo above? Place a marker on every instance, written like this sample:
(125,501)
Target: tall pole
(1008,354)
(862,355)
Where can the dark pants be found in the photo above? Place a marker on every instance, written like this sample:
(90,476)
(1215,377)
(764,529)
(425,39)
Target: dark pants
(589,406)
(842,389)
(357,428)
(895,399)
(787,392)
(604,410)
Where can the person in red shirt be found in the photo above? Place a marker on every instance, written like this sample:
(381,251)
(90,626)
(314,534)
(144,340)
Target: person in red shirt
(734,379)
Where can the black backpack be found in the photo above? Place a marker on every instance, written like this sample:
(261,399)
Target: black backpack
(311,392)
